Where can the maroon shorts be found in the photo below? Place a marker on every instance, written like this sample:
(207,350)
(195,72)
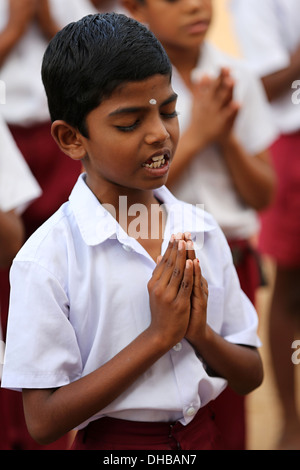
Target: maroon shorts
(116,434)
(248,266)
(280,224)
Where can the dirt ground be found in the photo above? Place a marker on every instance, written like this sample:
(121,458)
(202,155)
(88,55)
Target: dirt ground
(263,411)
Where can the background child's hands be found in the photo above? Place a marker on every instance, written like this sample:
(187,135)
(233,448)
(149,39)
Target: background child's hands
(214,111)
(170,291)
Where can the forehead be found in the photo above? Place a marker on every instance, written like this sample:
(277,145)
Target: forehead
(157,87)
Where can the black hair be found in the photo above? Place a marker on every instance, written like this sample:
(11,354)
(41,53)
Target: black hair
(88,59)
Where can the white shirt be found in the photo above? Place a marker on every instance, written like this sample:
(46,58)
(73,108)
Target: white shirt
(18,187)
(207,180)
(79,295)
(26,102)
(269,32)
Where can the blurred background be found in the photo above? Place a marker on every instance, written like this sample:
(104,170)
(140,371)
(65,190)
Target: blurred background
(264,418)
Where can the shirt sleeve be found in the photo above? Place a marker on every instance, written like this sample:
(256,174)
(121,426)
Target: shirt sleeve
(255,126)
(258,28)
(18,187)
(46,354)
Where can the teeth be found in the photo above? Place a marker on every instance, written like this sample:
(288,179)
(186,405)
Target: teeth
(156,164)
(156,159)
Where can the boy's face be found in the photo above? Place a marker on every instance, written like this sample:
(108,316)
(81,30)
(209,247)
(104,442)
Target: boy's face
(133,135)
(176,23)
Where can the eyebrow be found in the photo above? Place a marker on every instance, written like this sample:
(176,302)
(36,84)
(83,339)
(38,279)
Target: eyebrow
(135,109)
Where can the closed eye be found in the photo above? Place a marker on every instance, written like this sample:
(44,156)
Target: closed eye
(170,115)
(130,128)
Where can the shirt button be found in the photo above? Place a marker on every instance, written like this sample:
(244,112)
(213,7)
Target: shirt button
(177,347)
(126,248)
(190,411)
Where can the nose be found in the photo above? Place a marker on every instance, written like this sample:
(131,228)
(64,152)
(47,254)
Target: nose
(158,132)
(195,5)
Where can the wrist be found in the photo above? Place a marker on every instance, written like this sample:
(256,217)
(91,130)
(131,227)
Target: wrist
(202,342)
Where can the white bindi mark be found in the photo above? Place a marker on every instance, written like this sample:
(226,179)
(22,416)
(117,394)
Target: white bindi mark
(153,101)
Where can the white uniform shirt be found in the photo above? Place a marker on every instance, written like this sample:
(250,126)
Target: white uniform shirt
(18,187)
(79,295)
(269,32)
(26,101)
(206,180)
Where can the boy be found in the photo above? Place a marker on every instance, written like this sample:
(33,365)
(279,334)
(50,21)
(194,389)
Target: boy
(119,346)
(222,159)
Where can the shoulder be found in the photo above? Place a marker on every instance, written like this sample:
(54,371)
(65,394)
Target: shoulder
(48,243)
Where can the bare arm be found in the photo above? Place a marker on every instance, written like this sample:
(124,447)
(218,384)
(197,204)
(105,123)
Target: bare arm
(279,82)
(253,176)
(21,14)
(45,19)
(52,413)
(11,236)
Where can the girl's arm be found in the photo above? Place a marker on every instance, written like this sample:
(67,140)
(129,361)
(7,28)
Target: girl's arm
(279,82)
(52,413)
(21,14)
(253,176)
(11,236)
(45,19)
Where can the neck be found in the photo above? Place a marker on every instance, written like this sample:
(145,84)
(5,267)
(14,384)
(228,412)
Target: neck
(184,61)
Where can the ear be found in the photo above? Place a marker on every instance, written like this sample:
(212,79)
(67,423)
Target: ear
(135,9)
(68,139)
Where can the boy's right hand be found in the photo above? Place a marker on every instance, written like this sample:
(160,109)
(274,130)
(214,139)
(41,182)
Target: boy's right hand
(170,291)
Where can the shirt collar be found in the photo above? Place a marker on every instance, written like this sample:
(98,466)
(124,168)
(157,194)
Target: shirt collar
(96,223)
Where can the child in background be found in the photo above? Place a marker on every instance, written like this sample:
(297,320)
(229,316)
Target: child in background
(25,29)
(269,34)
(222,159)
(18,188)
(129,351)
